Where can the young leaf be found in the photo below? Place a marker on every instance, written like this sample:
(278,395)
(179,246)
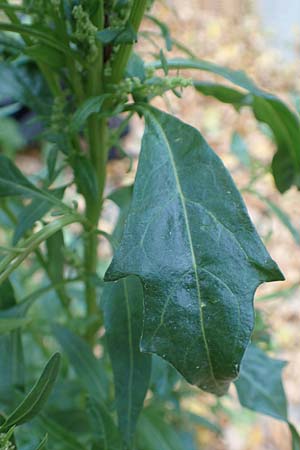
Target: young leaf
(189,239)
(260,387)
(90,106)
(89,369)
(12,181)
(37,397)
(123,319)
(32,213)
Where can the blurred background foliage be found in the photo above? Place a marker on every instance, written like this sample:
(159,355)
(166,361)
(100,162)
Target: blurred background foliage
(237,34)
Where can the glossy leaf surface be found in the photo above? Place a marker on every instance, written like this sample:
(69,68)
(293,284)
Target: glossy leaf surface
(189,239)
(123,313)
(37,397)
(260,387)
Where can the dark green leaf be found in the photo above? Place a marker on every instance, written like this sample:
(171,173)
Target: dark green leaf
(58,433)
(14,183)
(12,370)
(123,319)
(124,35)
(89,369)
(37,397)
(189,239)
(90,106)
(121,197)
(106,434)
(260,387)
(46,55)
(86,179)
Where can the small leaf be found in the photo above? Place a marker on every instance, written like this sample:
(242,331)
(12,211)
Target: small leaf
(123,319)
(164,62)
(189,239)
(260,387)
(164,31)
(90,106)
(124,35)
(33,212)
(37,397)
(8,325)
(88,368)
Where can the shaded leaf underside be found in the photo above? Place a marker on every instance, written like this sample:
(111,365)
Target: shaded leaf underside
(189,239)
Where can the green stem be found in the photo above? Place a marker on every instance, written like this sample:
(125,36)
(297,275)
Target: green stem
(97,138)
(123,54)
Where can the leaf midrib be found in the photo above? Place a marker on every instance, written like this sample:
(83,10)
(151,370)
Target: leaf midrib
(194,263)
(131,362)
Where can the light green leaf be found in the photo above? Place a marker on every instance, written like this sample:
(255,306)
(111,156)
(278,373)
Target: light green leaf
(37,397)
(88,368)
(8,325)
(43,443)
(260,387)
(123,319)
(240,150)
(189,239)
(90,106)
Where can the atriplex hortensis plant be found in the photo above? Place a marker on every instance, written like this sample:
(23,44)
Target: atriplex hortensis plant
(187,258)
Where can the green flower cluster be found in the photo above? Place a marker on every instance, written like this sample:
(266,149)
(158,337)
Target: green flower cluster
(85,32)
(4,443)
(151,87)
(58,116)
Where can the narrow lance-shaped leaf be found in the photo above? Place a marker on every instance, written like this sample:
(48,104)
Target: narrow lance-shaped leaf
(37,397)
(106,433)
(189,239)
(89,369)
(123,318)
(260,387)
(267,108)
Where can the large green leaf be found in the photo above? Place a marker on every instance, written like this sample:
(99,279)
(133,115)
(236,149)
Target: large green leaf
(37,397)
(88,368)
(189,239)
(123,318)
(260,387)
(267,108)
